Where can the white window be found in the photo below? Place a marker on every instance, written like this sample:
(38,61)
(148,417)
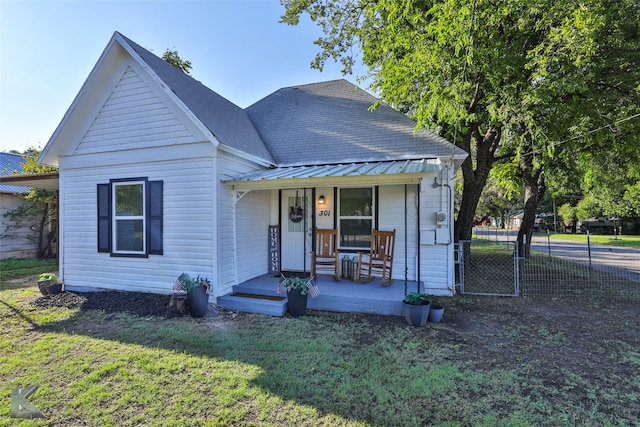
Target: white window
(355,217)
(129,223)
(130,217)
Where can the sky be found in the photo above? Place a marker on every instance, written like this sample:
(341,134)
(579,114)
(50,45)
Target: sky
(236,48)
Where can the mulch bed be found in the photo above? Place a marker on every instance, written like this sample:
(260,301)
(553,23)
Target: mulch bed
(135,303)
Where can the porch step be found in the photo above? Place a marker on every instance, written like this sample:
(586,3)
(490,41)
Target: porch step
(355,304)
(272,305)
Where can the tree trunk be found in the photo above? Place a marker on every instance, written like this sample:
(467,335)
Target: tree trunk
(474,180)
(534,189)
(40,250)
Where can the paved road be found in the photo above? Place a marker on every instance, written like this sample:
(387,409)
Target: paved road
(613,259)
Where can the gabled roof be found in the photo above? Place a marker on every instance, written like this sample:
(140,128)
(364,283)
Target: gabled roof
(10,164)
(216,117)
(328,123)
(332,122)
(229,123)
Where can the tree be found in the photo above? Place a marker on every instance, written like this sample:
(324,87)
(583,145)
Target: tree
(569,215)
(173,58)
(507,80)
(39,215)
(499,200)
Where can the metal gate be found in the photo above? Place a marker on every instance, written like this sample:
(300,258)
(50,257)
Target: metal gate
(486,267)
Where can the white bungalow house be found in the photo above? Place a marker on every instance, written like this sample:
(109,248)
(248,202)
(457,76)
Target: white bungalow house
(160,175)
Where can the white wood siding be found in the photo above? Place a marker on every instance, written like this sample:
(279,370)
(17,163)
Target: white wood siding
(133,116)
(189,232)
(436,266)
(242,226)
(325,221)
(252,234)
(392,210)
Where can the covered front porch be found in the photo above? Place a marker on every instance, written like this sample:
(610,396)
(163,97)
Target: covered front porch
(259,295)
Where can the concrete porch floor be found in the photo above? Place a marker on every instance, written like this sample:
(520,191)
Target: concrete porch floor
(342,296)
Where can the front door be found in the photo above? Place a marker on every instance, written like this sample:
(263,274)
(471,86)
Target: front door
(296,230)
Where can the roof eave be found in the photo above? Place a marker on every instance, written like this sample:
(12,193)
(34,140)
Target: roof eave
(46,181)
(332,181)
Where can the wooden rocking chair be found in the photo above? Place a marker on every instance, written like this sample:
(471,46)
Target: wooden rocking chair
(326,258)
(379,261)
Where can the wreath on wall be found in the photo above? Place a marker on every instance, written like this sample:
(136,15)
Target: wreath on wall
(296,213)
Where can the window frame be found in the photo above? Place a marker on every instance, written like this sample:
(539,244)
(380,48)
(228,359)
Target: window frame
(116,219)
(152,218)
(340,217)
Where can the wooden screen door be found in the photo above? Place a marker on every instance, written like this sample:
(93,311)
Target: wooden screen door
(296,230)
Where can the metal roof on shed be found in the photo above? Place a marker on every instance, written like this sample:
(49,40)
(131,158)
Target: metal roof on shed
(11,164)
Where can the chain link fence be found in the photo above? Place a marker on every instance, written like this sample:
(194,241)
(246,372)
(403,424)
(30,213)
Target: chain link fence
(553,269)
(488,267)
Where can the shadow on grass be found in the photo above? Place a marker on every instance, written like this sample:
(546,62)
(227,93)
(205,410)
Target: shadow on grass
(488,355)
(334,363)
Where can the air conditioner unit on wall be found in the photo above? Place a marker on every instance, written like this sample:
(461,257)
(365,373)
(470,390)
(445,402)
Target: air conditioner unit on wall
(441,218)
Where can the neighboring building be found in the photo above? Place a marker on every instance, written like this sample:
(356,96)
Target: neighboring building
(159,175)
(15,242)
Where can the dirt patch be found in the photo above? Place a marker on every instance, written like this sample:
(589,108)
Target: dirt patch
(135,303)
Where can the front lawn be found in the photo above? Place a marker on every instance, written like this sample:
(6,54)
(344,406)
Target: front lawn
(491,362)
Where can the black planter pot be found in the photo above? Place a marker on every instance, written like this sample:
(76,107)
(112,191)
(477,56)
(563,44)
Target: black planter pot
(416,315)
(297,302)
(42,286)
(198,301)
(54,289)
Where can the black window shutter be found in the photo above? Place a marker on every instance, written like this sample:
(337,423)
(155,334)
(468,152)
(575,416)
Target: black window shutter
(154,217)
(104,218)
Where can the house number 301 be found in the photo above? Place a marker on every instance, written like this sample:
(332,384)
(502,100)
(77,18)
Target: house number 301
(326,212)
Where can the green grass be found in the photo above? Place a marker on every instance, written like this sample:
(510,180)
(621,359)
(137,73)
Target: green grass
(624,240)
(629,241)
(14,268)
(483,366)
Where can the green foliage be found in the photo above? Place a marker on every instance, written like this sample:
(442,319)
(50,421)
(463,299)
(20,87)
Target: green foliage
(48,277)
(517,82)
(498,198)
(189,283)
(173,58)
(294,282)
(567,212)
(31,166)
(417,298)
(38,216)
(588,208)
(613,178)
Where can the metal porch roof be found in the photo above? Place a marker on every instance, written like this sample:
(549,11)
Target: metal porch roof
(294,175)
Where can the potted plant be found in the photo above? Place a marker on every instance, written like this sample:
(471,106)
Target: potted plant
(48,284)
(416,307)
(298,289)
(197,293)
(436,312)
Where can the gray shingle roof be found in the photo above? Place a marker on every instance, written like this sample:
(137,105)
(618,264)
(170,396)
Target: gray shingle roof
(229,123)
(331,122)
(314,124)
(10,164)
